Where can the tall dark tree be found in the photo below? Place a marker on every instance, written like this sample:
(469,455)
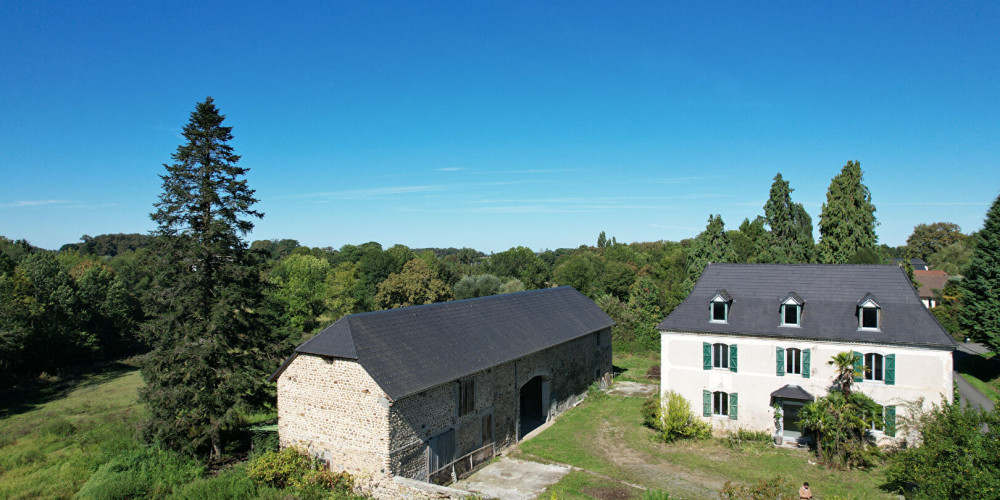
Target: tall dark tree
(712,245)
(847,220)
(213,335)
(790,224)
(980,314)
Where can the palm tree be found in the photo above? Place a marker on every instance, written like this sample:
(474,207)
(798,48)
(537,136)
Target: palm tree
(844,364)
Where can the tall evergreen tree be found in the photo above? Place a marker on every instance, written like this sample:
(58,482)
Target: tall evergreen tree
(980,314)
(790,224)
(712,245)
(847,220)
(214,337)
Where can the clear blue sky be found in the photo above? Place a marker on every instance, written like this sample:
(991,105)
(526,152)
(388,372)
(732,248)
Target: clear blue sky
(535,123)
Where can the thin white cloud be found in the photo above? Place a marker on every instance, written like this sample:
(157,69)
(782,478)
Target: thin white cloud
(448,169)
(678,180)
(34,203)
(93,205)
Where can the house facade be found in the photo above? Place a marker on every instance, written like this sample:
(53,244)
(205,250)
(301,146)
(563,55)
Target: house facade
(931,282)
(752,337)
(407,392)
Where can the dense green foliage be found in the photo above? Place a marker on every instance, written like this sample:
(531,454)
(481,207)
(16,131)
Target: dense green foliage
(673,419)
(847,220)
(791,226)
(300,472)
(958,455)
(980,314)
(214,335)
(928,239)
(776,488)
(414,285)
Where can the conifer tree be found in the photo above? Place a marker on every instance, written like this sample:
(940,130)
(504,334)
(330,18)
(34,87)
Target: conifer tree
(712,245)
(214,337)
(980,313)
(847,220)
(791,226)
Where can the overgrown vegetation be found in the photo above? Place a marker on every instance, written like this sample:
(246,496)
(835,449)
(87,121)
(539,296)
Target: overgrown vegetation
(956,454)
(776,488)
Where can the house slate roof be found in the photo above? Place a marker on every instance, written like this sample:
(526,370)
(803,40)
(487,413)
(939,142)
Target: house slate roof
(411,349)
(831,294)
(930,281)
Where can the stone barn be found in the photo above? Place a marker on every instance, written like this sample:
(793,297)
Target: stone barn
(410,392)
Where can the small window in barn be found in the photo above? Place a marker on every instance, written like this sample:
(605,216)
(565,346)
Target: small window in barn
(487,429)
(466,397)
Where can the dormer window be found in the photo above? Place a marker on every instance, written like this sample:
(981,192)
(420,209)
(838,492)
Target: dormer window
(791,310)
(719,307)
(869,313)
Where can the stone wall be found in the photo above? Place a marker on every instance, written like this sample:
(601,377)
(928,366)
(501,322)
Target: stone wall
(334,409)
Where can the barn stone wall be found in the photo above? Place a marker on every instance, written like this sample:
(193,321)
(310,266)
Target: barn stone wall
(333,408)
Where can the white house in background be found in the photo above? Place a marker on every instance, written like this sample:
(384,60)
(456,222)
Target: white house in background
(750,336)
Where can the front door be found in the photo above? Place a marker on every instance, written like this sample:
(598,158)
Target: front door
(790,420)
(441,450)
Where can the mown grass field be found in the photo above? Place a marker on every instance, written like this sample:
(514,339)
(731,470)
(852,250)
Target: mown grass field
(633,367)
(606,435)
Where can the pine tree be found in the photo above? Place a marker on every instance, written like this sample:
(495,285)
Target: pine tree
(980,314)
(214,337)
(847,220)
(791,226)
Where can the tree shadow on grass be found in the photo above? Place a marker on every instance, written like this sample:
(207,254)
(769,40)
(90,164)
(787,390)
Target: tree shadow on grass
(29,395)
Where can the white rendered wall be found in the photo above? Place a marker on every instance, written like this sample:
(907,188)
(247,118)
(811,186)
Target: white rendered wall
(920,373)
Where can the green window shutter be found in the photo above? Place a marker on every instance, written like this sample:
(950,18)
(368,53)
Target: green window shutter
(732,358)
(734,404)
(890,421)
(706,403)
(890,369)
(706,355)
(779,357)
(859,368)
(806,358)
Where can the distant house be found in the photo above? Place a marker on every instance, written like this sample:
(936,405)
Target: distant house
(750,336)
(918,264)
(930,280)
(407,392)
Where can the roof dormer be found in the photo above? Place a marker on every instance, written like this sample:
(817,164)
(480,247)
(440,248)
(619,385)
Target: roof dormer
(869,313)
(791,310)
(719,307)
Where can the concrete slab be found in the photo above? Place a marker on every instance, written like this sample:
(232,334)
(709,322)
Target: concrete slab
(633,389)
(509,479)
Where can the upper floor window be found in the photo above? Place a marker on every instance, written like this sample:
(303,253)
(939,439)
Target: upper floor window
(874,368)
(466,397)
(719,307)
(720,356)
(793,361)
(869,313)
(791,310)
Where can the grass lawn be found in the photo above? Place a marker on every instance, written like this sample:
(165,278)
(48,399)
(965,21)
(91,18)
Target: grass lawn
(606,435)
(51,445)
(581,485)
(982,372)
(633,367)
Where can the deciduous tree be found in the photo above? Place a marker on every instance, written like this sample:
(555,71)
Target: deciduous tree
(416,284)
(930,238)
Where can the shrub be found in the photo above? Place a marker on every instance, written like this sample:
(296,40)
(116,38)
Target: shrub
(746,440)
(766,489)
(841,425)
(653,372)
(295,468)
(673,419)
(229,485)
(57,426)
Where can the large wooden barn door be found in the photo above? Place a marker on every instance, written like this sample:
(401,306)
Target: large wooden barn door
(441,450)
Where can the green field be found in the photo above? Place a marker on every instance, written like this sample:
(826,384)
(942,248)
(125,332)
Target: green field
(982,372)
(633,367)
(606,435)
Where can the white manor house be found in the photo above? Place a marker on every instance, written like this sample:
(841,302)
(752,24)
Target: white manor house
(751,336)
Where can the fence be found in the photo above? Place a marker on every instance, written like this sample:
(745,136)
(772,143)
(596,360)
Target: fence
(463,467)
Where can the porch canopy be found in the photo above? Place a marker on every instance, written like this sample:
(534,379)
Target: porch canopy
(792,392)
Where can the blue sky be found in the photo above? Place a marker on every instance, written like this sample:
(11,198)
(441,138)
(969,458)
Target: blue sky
(535,123)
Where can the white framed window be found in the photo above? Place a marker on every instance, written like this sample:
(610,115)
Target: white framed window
(720,356)
(720,403)
(793,361)
(874,367)
(869,314)
(720,312)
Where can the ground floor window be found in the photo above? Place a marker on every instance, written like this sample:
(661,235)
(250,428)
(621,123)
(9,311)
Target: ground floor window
(720,403)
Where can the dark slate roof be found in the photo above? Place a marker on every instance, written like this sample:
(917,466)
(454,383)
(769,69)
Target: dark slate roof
(792,392)
(412,349)
(831,294)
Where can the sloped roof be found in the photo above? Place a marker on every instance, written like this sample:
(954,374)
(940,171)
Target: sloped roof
(831,294)
(930,281)
(790,391)
(412,349)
